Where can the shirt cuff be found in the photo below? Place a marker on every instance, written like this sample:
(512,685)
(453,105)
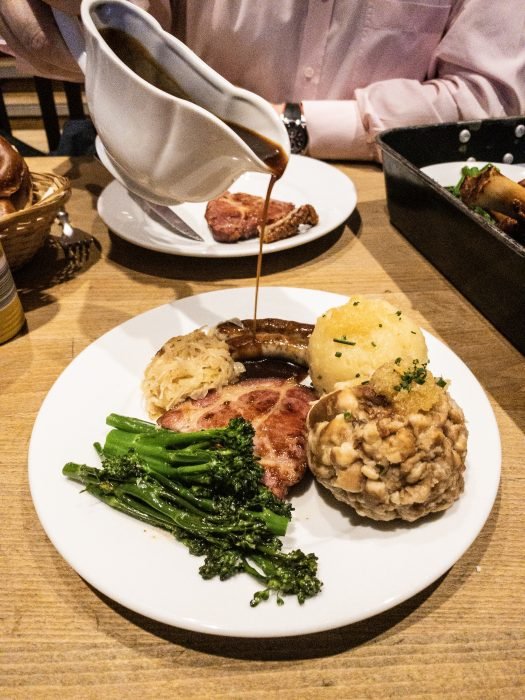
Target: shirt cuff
(336,132)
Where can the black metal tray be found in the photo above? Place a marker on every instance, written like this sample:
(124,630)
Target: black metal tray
(485,264)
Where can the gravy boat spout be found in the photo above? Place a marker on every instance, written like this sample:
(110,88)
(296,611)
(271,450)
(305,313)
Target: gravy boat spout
(168,123)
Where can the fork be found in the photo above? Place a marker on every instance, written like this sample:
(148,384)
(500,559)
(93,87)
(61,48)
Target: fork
(75,242)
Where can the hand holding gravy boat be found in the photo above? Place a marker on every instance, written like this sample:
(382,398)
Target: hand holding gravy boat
(172,129)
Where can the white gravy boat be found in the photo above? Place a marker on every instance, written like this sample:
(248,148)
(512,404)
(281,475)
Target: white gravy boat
(164,148)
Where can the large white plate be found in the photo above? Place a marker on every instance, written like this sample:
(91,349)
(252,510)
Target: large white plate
(447,174)
(305,181)
(366,568)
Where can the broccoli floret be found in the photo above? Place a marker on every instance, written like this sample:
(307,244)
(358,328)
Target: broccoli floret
(120,468)
(221,563)
(292,573)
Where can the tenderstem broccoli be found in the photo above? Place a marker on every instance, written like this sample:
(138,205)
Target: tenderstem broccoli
(205,487)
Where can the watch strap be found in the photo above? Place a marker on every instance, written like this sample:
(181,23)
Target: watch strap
(294,121)
(292,110)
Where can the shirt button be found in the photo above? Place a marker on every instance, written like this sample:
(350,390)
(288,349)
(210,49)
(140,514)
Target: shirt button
(309,72)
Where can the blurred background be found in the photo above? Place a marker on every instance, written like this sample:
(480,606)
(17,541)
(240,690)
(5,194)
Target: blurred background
(42,115)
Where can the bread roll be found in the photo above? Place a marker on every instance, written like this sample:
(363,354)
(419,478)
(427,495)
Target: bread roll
(15,180)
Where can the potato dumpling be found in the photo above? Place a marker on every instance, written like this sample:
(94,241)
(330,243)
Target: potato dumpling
(350,342)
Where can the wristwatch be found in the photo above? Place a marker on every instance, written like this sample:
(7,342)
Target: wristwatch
(293,120)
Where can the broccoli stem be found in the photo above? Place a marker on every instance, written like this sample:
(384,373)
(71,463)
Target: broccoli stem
(139,511)
(129,424)
(81,473)
(186,520)
(276,524)
(205,488)
(161,436)
(147,445)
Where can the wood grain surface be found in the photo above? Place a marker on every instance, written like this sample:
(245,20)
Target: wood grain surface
(463,637)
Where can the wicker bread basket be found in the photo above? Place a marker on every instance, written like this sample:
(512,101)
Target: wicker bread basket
(24,232)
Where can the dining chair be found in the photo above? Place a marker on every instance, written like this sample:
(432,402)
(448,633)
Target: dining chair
(71,136)
(46,98)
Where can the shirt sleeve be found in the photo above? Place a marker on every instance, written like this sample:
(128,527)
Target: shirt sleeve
(336,131)
(477,71)
(160,9)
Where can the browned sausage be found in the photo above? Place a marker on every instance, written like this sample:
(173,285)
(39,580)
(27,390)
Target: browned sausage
(273,337)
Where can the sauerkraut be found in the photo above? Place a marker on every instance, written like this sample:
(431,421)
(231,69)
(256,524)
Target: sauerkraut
(187,366)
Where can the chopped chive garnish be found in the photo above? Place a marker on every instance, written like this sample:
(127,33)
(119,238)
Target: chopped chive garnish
(417,376)
(344,341)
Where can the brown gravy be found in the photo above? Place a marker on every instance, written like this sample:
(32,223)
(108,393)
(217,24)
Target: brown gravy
(131,52)
(273,367)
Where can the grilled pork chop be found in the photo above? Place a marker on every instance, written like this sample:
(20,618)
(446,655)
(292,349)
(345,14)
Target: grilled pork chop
(235,216)
(277,409)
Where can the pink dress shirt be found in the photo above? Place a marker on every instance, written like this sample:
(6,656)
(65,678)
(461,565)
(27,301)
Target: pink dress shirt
(362,66)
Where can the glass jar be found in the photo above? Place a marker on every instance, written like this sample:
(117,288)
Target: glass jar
(12,316)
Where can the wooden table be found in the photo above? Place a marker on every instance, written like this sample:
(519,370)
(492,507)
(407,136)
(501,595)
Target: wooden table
(463,637)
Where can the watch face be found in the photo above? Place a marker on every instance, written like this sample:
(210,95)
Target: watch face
(298,138)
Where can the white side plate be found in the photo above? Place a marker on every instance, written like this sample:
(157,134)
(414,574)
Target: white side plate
(448,174)
(305,181)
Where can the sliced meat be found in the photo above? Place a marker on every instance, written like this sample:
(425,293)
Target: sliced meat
(235,216)
(277,409)
(290,225)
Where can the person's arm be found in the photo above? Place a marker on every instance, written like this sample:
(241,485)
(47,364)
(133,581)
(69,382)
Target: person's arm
(31,34)
(477,71)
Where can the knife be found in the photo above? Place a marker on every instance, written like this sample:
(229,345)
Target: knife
(169,217)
